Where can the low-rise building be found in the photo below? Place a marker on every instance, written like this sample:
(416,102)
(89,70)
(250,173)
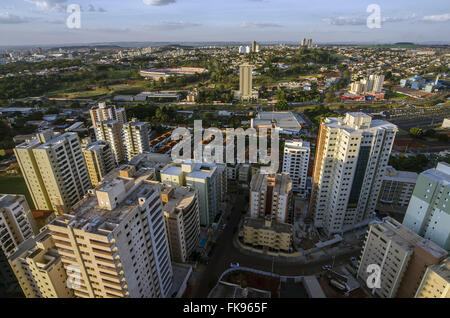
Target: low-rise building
(268,234)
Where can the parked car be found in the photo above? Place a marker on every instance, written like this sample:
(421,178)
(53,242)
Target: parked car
(234,265)
(325,267)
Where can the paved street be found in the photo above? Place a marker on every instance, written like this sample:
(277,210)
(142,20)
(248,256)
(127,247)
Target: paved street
(225,253)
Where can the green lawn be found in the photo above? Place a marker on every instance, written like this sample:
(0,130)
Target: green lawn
(15,185)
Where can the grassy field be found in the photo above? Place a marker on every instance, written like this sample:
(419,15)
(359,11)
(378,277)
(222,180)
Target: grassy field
(15,185)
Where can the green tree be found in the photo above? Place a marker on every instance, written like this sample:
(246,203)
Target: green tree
(416,132)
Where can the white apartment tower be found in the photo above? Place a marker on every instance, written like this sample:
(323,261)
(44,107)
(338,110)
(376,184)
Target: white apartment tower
(102,112)
(16,222)
(271,196)
(296,162)
(350,163)
(114,243)
(136,139)
(54,170)
(204,177)
(428,212)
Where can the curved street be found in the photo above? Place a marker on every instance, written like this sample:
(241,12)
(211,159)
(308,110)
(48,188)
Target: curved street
(225,252)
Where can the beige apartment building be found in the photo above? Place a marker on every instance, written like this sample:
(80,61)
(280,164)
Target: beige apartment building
(271,195)
(16,222)
(111,132)
(99,159)
(54,170)
(350,163)
(436,281)
(114,243)
(136,139)
(103,112)
(402,256)
(267,234)
(38,268)
(182,216)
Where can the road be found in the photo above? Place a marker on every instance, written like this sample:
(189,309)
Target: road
(225,253)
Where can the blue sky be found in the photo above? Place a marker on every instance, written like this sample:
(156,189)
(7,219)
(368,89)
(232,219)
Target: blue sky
(34,22)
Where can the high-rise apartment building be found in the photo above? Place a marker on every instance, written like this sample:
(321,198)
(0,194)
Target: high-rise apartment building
(99,160)
(377,82)
(39,269)
(111,132)
(304,42)
(16,222)
(350,162)
(397,187)
(54,170)
(254,46)
(271,195)
(310,43)
(246,81)
(103,112)
(428,212)
(182,216)
(201,176)
(136,138)
(401,255)
(436,281)
(114,243)
(296,162)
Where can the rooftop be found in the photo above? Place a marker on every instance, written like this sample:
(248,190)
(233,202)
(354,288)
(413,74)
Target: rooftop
(406,238)
(90,215)
(260,223)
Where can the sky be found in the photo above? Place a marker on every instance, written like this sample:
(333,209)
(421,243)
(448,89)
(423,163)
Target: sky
(44,22)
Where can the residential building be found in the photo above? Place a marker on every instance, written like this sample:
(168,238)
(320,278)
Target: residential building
(246,81)
(401,255)
(296,162)
(350,163)
(428,212)
(114,242)
(268,234)
(111,132)
(39,269)
(271,195)
(103,112)
(99,160)
(16,222)
(201,176)
(182,216)
(397,187)
(136,138)
(436,281)
(54,170)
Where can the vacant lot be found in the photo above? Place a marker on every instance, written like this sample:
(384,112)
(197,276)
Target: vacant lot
(15,185)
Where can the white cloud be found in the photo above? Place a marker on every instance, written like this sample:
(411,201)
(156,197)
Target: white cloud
(437,18)
(360,20)
(158,2)
(48,4)
(171,25)
(260,25)
(6,18)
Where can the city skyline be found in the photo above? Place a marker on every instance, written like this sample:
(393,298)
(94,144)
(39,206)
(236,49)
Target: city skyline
(43,22)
